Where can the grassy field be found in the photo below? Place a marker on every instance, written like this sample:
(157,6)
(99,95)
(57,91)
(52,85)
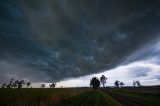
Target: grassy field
(80,97)
(37,97)
(135,96)
(91,98)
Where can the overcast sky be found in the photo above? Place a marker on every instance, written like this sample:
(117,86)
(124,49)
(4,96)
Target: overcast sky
(52,40)
(144,68)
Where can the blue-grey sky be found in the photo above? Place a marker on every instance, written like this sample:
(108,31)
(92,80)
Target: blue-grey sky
(51,40)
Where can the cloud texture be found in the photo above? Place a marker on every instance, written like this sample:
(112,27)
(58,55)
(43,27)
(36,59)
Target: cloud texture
(70,38)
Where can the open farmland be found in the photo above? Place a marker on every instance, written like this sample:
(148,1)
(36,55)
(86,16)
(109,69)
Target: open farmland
(37,97)
(80,97)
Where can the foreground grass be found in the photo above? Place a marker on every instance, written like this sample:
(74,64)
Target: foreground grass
(79,97)
(37,97)
(143,96)
(91,98)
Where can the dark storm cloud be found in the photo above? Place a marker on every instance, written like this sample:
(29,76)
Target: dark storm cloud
(19,72)
(149,53)
(69,38)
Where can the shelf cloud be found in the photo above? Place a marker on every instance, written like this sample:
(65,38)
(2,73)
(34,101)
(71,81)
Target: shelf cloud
(55,39)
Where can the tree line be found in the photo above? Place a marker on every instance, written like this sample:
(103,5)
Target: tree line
(19,84)
(95,82)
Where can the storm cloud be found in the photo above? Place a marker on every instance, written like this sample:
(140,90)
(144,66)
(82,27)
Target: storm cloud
(71,38)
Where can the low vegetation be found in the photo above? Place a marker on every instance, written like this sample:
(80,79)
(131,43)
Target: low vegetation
(80,97)
(37,97)
(141,96)
(91,98)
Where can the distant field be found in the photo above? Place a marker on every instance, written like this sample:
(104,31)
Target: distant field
(80,97)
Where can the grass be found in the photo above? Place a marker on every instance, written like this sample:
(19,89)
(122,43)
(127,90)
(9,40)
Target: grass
(91,98)
(78,97)
(145,96)
(36,97)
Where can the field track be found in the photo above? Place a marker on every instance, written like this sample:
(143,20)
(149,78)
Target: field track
(124,100)
(81,97)
(135,96)
(91,98)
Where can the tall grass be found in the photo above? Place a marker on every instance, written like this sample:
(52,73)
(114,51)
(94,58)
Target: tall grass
(37,97)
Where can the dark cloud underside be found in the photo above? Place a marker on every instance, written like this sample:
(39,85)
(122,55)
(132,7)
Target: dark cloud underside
(69,38)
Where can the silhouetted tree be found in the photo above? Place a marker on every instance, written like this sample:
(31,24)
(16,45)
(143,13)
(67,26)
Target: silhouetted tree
(28,84)
(103,80)
(52,85)
(116,83)
(10,83)
(43,85)
(19,84)
(15,84)
(9,86)
(121,84)
(95,83)
(136,83)
(4,85)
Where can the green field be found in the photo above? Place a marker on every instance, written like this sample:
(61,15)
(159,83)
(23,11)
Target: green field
(80,97)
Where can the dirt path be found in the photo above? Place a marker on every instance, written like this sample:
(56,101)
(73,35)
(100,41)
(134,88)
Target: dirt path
(91,98)
(125,101)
